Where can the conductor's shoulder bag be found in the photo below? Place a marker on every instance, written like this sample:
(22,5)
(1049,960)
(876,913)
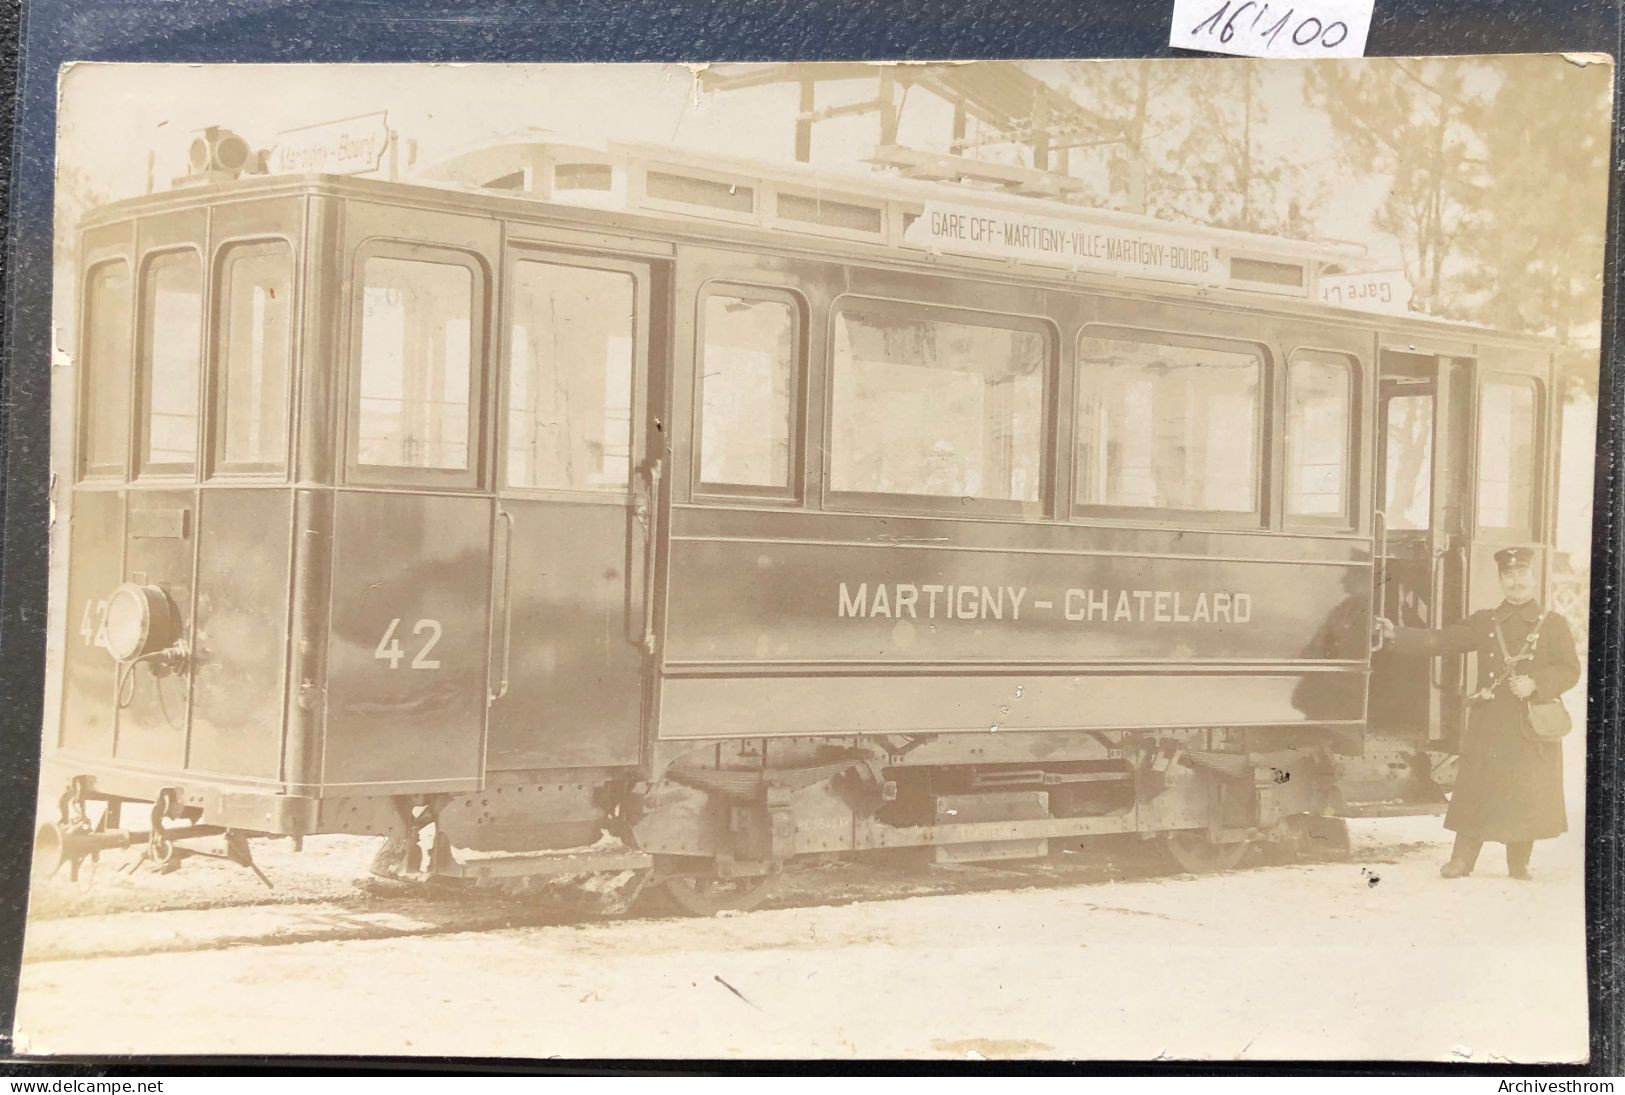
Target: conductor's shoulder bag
(1544,720)
(1547,720)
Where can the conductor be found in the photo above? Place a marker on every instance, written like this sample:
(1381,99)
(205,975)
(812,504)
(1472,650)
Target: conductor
(1509,786)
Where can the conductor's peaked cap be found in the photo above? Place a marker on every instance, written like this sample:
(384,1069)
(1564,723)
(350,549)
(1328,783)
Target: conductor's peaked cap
(1512,557)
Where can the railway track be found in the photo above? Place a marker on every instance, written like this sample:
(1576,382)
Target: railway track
(220,909)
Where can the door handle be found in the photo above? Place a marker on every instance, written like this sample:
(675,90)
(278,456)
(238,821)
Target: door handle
(507,606)
(1436,591)
(1436,600)
(1379,548)
(651,543)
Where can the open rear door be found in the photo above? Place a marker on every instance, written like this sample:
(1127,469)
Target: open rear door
(1425,423)
(1513,462)
(1464,454)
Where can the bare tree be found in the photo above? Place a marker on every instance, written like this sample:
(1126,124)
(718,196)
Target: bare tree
(1541,211)
(1190,147)
(1419,124)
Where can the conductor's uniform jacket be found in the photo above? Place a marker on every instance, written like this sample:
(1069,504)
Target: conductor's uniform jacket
(1508,787)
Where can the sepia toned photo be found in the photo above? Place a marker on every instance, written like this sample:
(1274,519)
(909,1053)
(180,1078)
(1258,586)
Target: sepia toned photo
(963,561)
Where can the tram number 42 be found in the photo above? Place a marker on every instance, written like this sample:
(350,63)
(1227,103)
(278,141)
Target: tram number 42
(389,647)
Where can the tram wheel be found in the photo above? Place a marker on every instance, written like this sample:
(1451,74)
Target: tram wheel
(710,896)
(1193,851)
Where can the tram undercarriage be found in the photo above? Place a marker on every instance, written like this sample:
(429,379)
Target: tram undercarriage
(725,819)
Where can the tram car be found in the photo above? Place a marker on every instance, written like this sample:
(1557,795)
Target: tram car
(602,510)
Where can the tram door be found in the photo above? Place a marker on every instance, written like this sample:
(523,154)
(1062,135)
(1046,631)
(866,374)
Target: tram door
(413,514)
(571,599)
(1425,451)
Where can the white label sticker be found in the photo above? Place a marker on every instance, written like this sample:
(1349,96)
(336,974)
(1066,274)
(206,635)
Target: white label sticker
(350,146)
(1382,291)
(1272,28)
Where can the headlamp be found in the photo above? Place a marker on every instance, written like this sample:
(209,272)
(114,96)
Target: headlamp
(140,620)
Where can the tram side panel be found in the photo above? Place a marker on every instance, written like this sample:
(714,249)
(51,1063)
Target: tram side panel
(785,620)
(240,642)
(778,633)
(407,648)
(573,697)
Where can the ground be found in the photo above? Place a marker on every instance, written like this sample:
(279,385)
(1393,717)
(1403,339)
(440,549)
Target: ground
(1092,957)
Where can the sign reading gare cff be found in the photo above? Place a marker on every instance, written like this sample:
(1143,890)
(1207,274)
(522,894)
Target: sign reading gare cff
(1136,251)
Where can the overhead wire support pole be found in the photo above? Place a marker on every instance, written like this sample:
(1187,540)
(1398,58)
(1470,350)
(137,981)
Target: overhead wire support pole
(804,122)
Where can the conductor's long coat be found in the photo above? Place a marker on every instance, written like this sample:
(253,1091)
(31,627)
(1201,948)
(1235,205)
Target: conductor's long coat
(1508,788)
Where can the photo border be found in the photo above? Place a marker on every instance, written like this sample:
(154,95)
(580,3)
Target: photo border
(54,32)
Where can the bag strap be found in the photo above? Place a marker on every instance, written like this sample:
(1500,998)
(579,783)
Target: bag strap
(1534,632)
(1501,641)
(1508,663)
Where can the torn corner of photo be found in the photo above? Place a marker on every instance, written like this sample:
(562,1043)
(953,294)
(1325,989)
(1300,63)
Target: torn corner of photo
(776,520)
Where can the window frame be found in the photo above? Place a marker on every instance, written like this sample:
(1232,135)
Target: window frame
(1345,519)
(218,467)
(793,491)
(643,198)
(818,228)
(1256,519)
(850,501)
(1382,410)
(86,395)
(473,477)
(520,251)
(1535,530)
(141,396)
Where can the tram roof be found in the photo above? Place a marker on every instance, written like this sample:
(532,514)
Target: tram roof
(686,191)
(650,178)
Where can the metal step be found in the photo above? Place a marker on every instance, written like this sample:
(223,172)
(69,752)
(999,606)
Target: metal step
(1392,809)
(541,863)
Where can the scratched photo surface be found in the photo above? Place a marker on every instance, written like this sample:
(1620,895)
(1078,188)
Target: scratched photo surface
(992,560)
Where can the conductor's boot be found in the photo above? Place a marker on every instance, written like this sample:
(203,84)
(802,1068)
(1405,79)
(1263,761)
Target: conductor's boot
(1462,858)
(1518,853)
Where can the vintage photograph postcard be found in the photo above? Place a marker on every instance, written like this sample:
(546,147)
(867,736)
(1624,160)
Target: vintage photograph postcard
(1076,560)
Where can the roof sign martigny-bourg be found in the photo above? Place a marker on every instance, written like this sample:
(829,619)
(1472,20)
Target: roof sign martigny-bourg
(349,146)
(1130,250)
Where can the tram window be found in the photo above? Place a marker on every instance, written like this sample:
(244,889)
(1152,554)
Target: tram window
(255,349)
(1168,427)
(416,364)
(1507,466)
(936,408)
(1407,497)
(106,363)
(171,355)
(1318,394)
(747,392)
(570,378)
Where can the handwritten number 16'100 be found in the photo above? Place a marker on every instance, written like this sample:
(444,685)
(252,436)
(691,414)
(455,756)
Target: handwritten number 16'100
(1307,30)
